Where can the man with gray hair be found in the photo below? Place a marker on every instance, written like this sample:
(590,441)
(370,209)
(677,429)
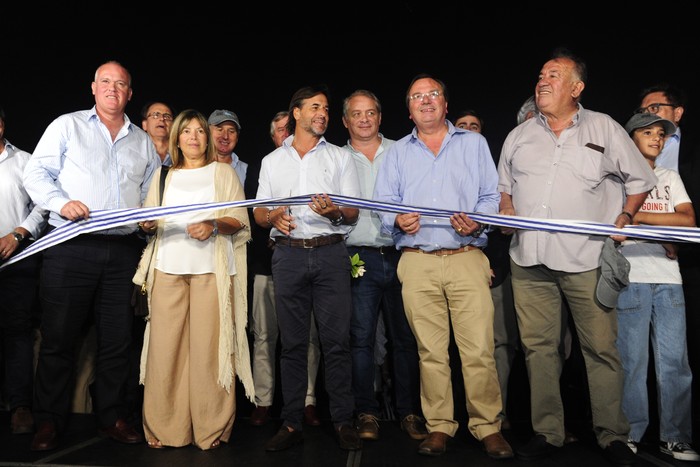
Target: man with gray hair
(568,156)
(527,110)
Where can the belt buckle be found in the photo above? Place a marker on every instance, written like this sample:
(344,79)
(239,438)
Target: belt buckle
(304,243)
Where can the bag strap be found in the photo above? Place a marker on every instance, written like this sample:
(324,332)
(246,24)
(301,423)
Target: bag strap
(163,174)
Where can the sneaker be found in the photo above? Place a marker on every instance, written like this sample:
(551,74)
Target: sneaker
(368,426)
(414,426)
(680,451)
(632,445)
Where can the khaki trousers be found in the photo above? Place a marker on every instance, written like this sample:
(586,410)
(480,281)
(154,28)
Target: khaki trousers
(538,294)
(182,403)
(437,291)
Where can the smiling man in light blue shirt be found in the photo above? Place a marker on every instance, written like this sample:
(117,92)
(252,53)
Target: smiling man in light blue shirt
(86,161)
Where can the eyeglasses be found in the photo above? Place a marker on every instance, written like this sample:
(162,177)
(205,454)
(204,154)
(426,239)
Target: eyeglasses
(653,108)
(158,116)
(432,95)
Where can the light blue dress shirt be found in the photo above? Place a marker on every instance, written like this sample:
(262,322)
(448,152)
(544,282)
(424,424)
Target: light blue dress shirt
(239,166)
(669,155)
(461,178)
(76,159)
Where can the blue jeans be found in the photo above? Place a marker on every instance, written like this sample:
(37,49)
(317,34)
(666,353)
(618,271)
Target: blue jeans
(659,309)
(380,290)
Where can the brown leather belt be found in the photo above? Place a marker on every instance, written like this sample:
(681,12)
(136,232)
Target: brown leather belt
(443,252)
(310,242)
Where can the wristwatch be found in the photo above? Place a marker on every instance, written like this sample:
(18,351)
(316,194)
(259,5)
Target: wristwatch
(215,232)
(338,220)
(477,233)
(18,236)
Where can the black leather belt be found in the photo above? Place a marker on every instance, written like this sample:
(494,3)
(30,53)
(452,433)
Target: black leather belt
(443,252)
(111,238)
(310,242)
(384,250)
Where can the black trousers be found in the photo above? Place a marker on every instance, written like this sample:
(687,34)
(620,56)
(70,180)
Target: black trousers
(18,291)
(90,274)
(315,279)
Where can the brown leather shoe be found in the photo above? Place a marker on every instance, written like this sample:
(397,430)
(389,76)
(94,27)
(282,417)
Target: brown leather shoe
(122,432)
(310,417)
(46,437)
(414,425)
(434,445)
(497,447)
(260,415)
(22,421)
(368,426)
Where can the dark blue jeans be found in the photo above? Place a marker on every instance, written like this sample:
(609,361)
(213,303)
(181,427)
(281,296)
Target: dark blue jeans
(379,290)
(315,279)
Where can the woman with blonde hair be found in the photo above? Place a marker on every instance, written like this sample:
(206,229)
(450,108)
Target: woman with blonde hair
(195,273)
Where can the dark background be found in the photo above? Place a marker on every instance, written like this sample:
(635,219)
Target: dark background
(251,57)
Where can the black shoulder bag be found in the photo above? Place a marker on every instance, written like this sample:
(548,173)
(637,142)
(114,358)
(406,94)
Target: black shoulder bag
(139,296)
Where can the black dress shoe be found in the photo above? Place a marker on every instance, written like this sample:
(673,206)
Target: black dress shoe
(284,439)
(619,453)
(122,432)
(348,438)
(46,437)
(537,448)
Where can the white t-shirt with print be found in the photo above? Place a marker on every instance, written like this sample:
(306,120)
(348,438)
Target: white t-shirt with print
(648,261)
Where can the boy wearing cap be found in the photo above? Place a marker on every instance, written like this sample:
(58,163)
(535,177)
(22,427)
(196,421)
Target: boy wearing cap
(653,305)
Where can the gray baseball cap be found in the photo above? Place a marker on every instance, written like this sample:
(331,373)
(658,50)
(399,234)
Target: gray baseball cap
(218,117)
(614,274)
(645,119)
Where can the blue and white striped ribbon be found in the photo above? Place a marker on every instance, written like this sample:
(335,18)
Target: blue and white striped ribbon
(101,220)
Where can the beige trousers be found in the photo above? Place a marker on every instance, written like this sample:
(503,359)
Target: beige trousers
(183,404)
(437,291)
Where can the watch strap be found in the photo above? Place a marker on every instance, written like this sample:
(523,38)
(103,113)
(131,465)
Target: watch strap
(338,220)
